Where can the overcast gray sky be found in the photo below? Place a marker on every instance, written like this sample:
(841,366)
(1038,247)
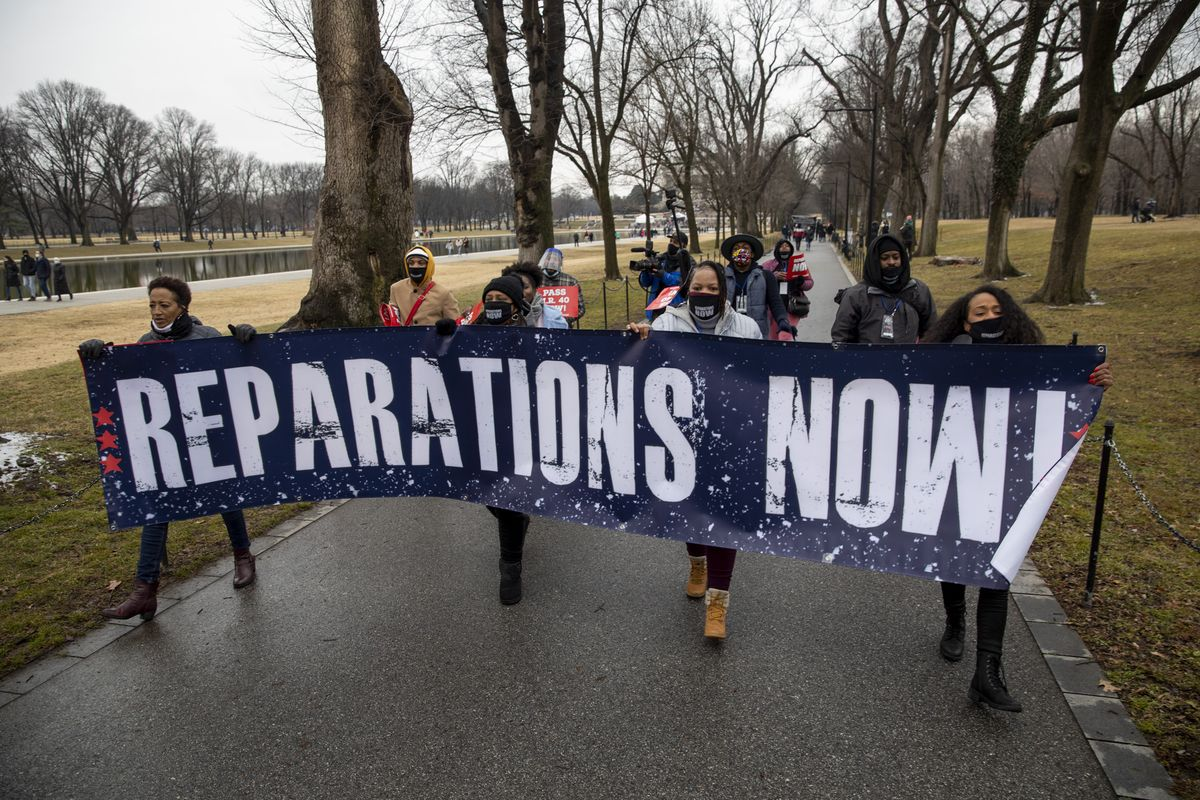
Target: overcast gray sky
(151,54)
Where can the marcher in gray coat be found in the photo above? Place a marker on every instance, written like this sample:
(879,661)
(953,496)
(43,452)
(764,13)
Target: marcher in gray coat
(889,306)
(751,290)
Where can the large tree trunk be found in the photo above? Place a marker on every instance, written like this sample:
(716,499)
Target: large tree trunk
(608,230)
(365,204)
(1008,161)
(932,212)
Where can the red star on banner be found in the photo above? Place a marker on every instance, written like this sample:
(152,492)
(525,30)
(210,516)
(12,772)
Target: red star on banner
(103,417)
(111,464)
(107,441)
(1079,433)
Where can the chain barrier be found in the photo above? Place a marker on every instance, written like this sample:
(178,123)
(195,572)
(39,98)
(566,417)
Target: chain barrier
(72,497)
(1141,494)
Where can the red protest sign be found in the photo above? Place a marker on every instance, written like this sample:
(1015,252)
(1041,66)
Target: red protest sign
(664,298)
(564,298)
(472,315)
(796,268)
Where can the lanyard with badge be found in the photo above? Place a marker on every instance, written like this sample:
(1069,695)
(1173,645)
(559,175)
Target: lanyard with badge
(889,328)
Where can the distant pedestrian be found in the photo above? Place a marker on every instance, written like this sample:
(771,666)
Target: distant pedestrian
(576,238)
(158,245)
(61,286)
(1135,209)
(210,243)
(29,274)
(12,279)
(908,234)
(449,247)
(42,271)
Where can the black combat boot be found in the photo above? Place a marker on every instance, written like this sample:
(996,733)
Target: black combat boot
(988,684)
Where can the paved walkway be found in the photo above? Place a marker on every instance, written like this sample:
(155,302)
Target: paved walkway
(372,658)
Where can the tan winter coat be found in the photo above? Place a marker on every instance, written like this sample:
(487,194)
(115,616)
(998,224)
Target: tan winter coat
(439,303)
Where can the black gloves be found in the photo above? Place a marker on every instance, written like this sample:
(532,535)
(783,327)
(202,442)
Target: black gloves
(243,333)
(92,348)
(445,326)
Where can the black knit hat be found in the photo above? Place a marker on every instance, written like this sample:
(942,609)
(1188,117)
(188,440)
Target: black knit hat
(755,243)
(509,285)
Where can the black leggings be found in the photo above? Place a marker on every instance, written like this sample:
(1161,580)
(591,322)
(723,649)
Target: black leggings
(990,616)
(513,525)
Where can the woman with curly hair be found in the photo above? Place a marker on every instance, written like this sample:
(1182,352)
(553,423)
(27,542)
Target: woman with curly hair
(987,315)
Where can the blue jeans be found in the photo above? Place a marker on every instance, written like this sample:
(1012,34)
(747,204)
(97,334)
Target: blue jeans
(43,287)
(154,541)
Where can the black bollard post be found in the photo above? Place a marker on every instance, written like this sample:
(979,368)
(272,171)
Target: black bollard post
(1074,337)
(627,319)
(604,296)
(1101,489)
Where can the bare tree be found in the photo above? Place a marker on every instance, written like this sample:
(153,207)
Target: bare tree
(753,53)
(63,120)
(609,70)
(530,144)
(364,215)
(185,150)
(16,176)
(126,158)
(1107,30)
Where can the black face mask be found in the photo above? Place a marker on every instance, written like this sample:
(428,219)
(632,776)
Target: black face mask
(890,275)
(672,248)
(417,273)
(703,306)
(497,312)
(987,331)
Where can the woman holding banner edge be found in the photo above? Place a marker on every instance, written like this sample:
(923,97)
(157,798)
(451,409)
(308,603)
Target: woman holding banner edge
(706,311)
(987,315)
(170,321)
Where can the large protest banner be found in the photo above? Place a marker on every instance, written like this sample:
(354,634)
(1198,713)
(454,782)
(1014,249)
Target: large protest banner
(938,461)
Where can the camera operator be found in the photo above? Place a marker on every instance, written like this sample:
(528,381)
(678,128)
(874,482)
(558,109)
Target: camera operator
(668,269)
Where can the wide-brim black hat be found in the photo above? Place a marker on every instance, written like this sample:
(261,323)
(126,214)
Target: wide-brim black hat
(755,245)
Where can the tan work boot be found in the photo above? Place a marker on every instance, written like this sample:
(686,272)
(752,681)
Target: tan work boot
(697,577)
(716,603)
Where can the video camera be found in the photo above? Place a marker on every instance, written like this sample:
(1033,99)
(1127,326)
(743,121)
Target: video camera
(651,258)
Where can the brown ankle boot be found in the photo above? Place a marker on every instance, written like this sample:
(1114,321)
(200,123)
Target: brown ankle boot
(716,603)
(143,601)
(243,568)
(697,581)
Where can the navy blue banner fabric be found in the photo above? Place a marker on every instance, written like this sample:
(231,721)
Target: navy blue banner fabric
(938,461)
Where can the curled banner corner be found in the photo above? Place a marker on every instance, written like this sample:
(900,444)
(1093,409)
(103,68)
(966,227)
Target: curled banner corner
(1011,552)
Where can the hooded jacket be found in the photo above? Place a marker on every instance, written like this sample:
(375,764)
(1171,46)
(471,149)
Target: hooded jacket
(797,286)
(864,306)
(439,302)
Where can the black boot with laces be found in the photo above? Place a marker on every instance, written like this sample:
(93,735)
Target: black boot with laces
(988,684)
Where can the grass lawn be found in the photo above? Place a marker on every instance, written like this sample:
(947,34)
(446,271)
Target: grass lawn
(1144,626)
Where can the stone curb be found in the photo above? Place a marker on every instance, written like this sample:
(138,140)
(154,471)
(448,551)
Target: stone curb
(1127,760)
(43,669)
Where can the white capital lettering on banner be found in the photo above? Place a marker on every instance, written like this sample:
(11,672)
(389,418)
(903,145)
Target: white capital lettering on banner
(315,417)
(522,421)
(482,370)
(432,416)
(247,426)
(1048,431)
(610,428)
(876,507)
(140,430)
(369,386)
(979,478)
(558,386)
(196,426)
(805,445)
(662,415)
